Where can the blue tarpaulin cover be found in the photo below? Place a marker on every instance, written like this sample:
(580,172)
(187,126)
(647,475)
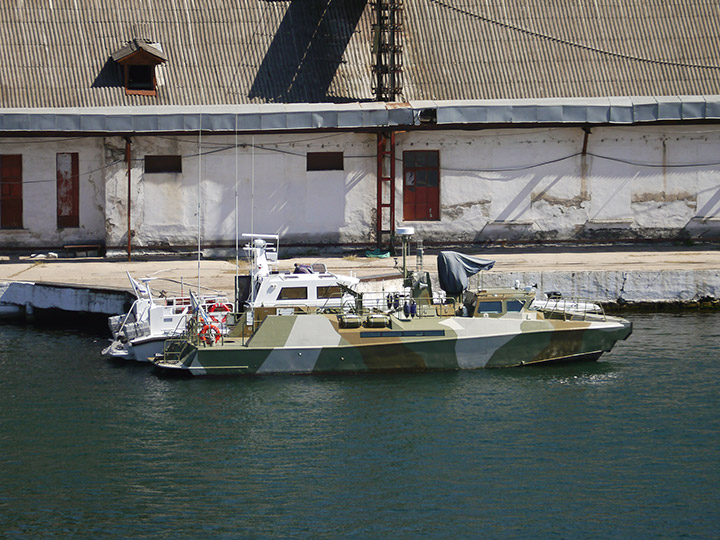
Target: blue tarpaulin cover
(454,269)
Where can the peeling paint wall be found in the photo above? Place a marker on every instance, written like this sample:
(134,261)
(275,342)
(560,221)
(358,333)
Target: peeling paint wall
(525,185)
(276,194)
(537,185)
(39,172)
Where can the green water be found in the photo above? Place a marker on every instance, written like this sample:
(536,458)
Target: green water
(628,447)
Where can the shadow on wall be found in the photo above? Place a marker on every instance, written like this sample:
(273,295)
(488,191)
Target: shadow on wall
(307,49)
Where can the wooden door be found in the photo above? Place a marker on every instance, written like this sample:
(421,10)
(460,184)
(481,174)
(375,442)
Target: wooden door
(68,190)
(11,201)
(421,185)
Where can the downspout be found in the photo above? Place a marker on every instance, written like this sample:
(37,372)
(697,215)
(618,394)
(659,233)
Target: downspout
(128,159)
(584,196)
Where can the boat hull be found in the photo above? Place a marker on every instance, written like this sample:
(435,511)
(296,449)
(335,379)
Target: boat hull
(140,349)
(316,344)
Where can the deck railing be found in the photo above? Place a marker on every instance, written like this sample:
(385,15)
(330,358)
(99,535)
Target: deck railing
(570,308)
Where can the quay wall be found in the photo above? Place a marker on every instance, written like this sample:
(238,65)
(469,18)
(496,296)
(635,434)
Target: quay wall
(620,287)
(73,298)
(656,287)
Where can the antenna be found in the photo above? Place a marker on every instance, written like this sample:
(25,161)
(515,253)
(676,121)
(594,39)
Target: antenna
(251,315)
(237,247)
(405,234)
(198,197)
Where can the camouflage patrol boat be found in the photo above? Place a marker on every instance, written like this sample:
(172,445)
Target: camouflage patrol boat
(410,331)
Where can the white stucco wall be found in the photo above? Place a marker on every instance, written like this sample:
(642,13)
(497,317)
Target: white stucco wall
(515,184)
(496,185)
(275,192)
(40,192)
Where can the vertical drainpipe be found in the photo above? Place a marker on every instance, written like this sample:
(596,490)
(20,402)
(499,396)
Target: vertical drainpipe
(584,165)
(587,131)
(128,159)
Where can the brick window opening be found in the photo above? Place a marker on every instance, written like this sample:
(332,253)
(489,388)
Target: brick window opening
(163,164)
(325,161)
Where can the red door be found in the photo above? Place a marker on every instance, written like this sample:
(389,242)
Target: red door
(421,185)
(11,203)
(68,190)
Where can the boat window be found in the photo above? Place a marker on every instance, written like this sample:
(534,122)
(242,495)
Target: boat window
(293,293)
(494,306)
(329,292)
(514,305)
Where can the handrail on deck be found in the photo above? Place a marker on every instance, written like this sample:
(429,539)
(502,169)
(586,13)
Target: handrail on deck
(570,307)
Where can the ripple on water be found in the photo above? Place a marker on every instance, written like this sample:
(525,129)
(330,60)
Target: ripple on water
(624,447)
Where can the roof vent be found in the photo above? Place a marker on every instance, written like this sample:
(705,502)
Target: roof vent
(428,116)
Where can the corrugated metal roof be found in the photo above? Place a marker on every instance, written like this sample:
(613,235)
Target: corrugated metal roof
(293,117)
(58,54)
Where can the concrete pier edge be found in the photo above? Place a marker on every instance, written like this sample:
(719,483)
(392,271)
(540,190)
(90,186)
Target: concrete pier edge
(654,278)
(615,290)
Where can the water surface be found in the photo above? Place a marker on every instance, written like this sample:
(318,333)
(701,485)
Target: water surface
(627,447)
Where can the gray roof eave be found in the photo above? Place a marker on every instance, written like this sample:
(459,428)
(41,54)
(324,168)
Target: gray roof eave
(585,111)
(358,116)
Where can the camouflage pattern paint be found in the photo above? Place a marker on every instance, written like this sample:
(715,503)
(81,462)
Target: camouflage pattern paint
(315,343)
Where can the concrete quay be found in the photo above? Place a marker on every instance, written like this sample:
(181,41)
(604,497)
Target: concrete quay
(660,276)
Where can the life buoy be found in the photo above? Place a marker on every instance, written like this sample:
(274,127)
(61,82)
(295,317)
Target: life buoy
(226,308)
(207,333)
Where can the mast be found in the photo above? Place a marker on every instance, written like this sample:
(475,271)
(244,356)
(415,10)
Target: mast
(198,198)
(237,247)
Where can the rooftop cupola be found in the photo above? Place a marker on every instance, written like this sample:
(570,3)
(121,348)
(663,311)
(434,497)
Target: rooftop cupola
(138,59)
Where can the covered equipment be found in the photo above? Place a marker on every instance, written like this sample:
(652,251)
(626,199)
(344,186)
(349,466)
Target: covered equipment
(454,269)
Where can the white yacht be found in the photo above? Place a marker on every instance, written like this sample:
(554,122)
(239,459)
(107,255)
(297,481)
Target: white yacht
(140,333)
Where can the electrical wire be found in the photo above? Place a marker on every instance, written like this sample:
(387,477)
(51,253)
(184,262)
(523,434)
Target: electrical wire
(311,139)
(87,173)
(445,169)
(562,41)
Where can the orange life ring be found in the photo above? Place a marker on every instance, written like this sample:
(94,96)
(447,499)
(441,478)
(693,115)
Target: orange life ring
(227,308)
(209,329)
